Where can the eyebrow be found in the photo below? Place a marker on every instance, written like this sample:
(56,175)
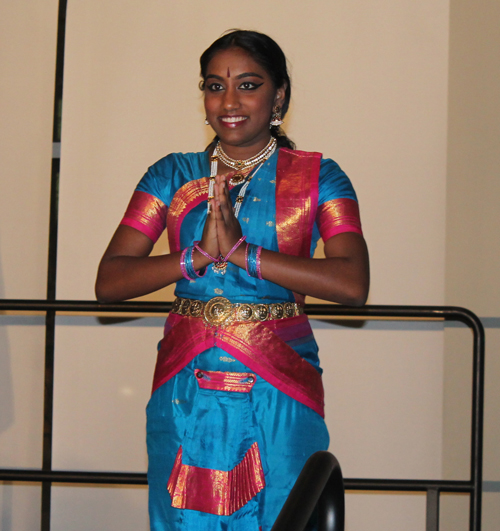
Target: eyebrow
(239,76)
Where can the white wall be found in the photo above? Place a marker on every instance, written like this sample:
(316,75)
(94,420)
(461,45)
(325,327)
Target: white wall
(27,60)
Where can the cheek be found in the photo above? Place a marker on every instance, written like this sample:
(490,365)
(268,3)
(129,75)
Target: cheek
(209,103)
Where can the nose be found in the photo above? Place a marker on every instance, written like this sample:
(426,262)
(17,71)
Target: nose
(231,100)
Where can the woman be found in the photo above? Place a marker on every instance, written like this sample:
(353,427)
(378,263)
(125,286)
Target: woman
(237,404)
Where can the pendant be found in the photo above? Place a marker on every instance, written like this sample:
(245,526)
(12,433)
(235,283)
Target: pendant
(219,268)
(237,178)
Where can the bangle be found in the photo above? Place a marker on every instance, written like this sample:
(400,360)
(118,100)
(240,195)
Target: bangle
(246,258)
(252,260)
(187,268)
(204,253)
(259,273)
(235,246)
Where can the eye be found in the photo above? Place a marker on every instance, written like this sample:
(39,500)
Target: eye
(250,85)
(214,87)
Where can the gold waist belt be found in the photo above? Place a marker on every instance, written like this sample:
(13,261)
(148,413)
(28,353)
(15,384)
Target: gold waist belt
(220,311)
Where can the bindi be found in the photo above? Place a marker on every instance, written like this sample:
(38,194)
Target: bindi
(228,72)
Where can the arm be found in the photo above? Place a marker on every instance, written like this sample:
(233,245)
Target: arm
(127,271)
(343,276)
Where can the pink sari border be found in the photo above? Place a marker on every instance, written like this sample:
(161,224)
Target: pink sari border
(337,216)
(235,382)
(147,214)
(297,175)
(216,491)
(290,329)
(253,359)
(185,199)
(281,366)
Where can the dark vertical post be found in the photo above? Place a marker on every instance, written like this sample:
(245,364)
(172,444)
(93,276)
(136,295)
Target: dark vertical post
(432,519)
(52,269)
(476,461)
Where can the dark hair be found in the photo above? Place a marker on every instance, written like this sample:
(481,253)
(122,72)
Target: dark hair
(264,51)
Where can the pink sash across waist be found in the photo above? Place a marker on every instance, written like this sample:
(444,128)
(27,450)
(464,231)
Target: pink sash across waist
(259,345)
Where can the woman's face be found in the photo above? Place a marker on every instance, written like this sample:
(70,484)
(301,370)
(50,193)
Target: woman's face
(239,98)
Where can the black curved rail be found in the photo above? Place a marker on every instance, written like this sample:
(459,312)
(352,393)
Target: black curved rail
(433,488)
(319,485)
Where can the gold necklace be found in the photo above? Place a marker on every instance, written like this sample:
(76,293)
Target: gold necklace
(240,165)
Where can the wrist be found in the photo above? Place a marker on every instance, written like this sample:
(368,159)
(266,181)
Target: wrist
(200,260)
(238,256)
(234,248)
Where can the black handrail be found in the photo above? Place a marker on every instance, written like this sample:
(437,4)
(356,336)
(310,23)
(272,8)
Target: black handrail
(433,488)
(319,486)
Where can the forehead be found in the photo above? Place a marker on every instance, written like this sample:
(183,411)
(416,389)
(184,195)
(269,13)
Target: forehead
(236,61)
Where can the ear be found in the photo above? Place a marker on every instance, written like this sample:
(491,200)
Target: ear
(279,98)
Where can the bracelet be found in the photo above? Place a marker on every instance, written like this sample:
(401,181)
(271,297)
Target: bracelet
(259,273)
(236,245)
(187,267)
(204,253)
(252,260)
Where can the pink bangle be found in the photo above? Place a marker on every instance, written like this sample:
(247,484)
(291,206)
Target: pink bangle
(236,245)
(204,253)
(202,272)
(259,274)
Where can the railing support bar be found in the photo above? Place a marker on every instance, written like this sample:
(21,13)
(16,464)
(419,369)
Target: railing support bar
(432,518)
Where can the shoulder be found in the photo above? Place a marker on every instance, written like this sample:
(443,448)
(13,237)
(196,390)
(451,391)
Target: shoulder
(298,154)
(333,182)
(169,173)
(173,161)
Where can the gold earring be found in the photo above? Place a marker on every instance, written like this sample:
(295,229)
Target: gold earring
(276,120)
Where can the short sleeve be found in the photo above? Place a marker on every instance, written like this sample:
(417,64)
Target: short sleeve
(338,209)
(147,210)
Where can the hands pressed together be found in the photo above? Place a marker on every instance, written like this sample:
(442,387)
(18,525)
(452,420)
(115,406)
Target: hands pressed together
(222,229)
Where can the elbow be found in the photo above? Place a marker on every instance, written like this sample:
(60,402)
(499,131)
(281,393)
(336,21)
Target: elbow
(103,292)
(357,295)
(357,300)
(101,295)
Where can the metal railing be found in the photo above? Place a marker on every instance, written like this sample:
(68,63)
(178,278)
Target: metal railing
(432,488)
(319,486)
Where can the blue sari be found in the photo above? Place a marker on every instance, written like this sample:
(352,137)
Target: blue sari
(227,431)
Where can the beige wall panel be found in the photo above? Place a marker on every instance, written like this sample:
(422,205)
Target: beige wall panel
(454,512)
(22,345)
(383,402)
(491,511)
(473,216)
(457,403)
(27,60)
(384,512)
(99,508)
(19,506)
(473,246)
(369,91)
(103,376)
(492,405)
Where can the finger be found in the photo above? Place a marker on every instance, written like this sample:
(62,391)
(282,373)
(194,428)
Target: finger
(224,200)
